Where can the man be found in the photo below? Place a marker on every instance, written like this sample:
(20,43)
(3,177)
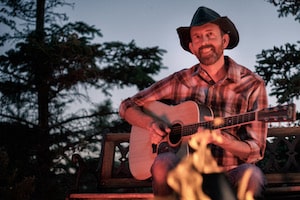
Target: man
(218,82)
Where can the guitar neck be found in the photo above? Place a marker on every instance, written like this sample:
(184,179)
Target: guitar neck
(274,114)
(227,122)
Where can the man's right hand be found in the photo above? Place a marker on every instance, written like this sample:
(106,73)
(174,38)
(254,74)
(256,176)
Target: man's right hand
(159,130)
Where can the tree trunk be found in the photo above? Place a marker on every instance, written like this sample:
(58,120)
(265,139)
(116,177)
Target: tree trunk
(42,75)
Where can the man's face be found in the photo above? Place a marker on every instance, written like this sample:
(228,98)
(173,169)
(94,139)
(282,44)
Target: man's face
(208,43)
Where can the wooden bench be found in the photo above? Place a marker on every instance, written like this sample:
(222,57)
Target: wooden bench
(115,180)
(281,163)
(281,166)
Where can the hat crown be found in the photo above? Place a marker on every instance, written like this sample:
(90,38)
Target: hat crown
(204,15)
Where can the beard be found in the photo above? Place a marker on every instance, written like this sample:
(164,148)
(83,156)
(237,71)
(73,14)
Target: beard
(211,57)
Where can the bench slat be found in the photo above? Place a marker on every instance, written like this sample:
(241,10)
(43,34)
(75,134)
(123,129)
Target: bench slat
(100,196)
(283,178)
(283,189)
(123,182)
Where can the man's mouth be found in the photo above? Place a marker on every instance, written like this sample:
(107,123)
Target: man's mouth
(206,50)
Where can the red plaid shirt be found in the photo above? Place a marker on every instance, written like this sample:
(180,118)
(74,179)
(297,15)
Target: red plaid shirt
(239,92)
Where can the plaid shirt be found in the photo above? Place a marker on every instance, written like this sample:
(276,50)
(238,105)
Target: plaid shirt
(239,92)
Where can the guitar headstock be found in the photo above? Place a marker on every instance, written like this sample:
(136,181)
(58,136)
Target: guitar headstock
(280,113)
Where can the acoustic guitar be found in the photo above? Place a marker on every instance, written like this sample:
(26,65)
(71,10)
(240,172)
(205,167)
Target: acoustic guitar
(184,120)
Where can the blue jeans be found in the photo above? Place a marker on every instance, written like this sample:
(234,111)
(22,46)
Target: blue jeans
(165,162)
(256,183)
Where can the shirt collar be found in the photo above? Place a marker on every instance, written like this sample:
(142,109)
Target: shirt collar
(233,70)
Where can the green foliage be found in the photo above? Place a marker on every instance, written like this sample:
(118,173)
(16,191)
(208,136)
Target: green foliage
(287,7)
(19,16)
(67,61)
(128,65)
(280,68)
(51,66)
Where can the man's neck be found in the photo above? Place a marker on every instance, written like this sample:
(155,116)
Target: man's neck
(217,71)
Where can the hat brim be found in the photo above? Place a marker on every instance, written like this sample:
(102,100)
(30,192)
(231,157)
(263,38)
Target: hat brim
(224,23)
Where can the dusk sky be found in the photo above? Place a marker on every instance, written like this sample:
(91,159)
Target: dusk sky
(153,23)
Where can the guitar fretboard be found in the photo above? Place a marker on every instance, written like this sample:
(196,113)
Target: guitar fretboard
(228,122)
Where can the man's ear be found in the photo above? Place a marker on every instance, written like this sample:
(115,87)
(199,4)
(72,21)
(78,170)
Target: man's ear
(226,40)
(191,47)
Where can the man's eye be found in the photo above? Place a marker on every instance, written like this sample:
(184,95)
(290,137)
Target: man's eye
(196,38)
(210,34)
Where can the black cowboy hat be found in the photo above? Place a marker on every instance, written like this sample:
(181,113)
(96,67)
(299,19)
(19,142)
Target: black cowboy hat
(205,15)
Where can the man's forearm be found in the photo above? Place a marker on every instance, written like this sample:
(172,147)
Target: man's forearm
(137,117)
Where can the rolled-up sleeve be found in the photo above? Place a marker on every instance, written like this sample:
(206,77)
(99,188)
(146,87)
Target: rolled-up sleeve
(258,142)
(124,105)
(257,130)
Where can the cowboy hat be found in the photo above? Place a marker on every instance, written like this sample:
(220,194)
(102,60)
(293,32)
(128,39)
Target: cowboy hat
(205,15)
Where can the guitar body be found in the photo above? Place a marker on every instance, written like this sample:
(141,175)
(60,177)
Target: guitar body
(141,155)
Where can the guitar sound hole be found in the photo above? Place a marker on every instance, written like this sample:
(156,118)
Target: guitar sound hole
(175,135)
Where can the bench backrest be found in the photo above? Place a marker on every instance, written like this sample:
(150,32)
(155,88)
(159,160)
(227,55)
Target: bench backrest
(281,156)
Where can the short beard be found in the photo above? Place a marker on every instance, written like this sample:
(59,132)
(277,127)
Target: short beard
(213,57)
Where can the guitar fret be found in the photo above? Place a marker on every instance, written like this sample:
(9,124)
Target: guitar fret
(239,119)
